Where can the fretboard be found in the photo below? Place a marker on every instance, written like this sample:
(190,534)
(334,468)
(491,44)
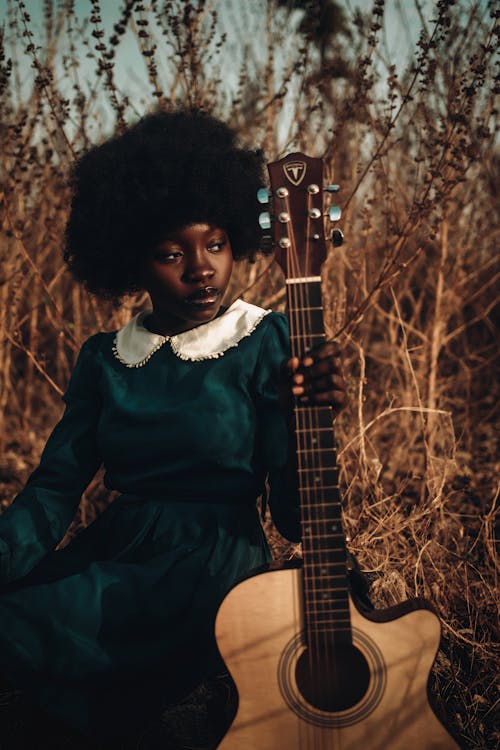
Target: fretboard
(325,589)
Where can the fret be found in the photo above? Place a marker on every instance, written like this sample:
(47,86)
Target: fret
(309,418)
(326,597)
(338,628)
(314,450)
(335,612)
(318,471)
(312,320)
(328,578)
(316,487)
(326,588)
(330,511)
(333,524)
(320,482)
(305,307)
(315,429)
(319,521)
(307,335)
(342,589)
(317,506)
(313,410)
(331,581)
(326,574)
(313,443)
(335,527)
(319,563)
(321,499)
(337,621)
(340,597)
(321,543)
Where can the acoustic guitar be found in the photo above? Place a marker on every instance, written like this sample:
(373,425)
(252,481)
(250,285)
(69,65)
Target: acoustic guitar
(312,671)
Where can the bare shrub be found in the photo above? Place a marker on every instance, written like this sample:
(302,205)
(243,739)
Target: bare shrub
(411,295)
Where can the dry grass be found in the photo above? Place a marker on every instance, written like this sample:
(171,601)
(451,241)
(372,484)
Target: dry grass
(411,295)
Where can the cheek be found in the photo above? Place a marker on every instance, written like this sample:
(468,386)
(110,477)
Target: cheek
(229,266)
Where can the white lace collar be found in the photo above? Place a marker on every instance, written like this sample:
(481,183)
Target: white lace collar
(134,345)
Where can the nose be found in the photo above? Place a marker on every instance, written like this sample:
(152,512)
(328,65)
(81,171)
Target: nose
(199,268)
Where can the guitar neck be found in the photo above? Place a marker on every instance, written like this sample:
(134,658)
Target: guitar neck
(325,589)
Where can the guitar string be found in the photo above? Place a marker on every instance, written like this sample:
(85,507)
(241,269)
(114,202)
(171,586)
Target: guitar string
(313,470)
(297,295)
(325,663)
(293,271)
(327,670)
(295,306)
(292,327)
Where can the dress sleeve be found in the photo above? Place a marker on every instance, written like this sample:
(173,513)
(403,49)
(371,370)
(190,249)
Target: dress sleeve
(39,516)
(273,439)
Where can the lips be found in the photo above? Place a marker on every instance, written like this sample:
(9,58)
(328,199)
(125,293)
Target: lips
(206,296)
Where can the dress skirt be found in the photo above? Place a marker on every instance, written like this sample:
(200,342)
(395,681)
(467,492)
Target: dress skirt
(109,629)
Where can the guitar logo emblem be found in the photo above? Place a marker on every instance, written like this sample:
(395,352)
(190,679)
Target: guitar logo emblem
(295,171)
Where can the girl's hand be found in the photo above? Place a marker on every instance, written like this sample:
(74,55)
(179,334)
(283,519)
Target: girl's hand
(317,377)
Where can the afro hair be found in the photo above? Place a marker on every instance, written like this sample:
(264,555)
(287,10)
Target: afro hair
(169,170)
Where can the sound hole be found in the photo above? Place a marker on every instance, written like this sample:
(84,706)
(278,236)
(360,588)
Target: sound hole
(332,677)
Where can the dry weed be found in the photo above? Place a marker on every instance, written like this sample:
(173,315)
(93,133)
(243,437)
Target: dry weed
(411,295)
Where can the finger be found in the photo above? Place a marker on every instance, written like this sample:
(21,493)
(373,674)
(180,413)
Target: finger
(325,356)
(335,398)
(291,365)
(321,369)
(327,384)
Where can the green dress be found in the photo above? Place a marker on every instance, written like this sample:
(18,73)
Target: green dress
(120,621)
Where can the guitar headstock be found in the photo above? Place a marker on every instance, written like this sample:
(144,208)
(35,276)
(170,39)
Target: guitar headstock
(297,214)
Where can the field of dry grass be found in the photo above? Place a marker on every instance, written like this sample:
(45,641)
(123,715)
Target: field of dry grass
(411,295)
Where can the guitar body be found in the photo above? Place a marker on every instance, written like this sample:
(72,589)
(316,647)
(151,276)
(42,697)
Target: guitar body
(259,633)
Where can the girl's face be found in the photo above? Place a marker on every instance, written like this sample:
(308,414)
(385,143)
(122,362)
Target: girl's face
(186,276)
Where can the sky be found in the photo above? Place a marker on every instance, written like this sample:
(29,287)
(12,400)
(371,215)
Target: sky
(401,27)
(245,24)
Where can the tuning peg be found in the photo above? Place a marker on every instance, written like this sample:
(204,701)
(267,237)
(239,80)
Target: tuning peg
(265,220)
(332,188)
(263,195)
(334,213)
(266,243)
(337,238)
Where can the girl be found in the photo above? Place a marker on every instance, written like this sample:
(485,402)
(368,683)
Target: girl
(186,408)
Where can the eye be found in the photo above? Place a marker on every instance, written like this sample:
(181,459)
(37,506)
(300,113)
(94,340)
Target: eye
(216,247)
(167,257)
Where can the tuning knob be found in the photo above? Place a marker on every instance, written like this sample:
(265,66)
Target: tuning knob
(265,220)
(263,195)
(266,243)
(332,188)
(337,238)
(334,213)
